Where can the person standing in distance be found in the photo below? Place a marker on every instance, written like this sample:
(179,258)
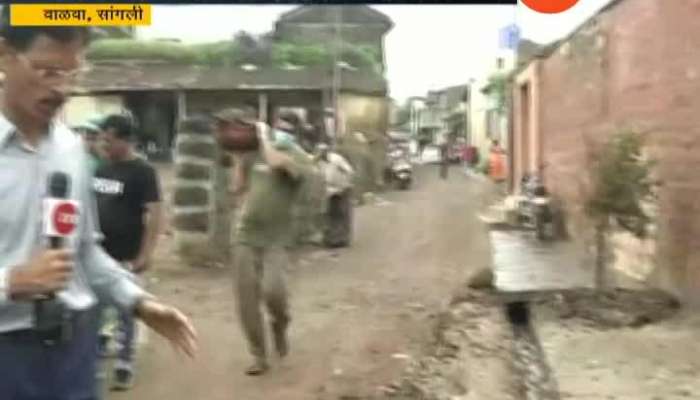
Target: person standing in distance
(338,175)
(59,361)
(130,214)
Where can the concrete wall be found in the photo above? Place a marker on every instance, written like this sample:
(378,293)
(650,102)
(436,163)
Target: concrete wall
(526,154)
(636,65)
(80,108)
(481,104)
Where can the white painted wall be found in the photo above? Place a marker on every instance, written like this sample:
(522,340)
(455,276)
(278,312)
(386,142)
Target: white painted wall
(80,108)
(480,104)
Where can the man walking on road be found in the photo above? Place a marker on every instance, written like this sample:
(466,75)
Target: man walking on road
(130,213)
(48,296)
(270,178)
(443,146)
(338,176)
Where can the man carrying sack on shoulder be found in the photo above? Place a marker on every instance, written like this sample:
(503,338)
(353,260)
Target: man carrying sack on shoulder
(268,174)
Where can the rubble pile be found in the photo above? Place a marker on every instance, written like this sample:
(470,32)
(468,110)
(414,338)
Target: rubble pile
(470,356)
(608,309)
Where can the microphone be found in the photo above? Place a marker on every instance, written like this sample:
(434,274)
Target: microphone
(59,219)
(59,214)
(58,189)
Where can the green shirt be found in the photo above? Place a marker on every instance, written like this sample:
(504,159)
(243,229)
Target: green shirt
(266,214)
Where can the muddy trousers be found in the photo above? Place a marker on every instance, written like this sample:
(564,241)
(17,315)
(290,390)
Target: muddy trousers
(338,229)
(259,278)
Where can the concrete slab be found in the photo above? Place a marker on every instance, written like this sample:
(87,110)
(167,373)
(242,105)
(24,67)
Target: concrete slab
(524,265)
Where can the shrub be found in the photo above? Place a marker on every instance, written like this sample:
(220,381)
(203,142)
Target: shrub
(621,184)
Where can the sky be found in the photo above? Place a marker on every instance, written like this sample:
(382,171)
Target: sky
(430,46)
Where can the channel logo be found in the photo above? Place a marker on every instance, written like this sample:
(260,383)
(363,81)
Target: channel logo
(550,6)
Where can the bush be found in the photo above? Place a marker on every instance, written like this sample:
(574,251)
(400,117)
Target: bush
(299,54)
(244,49)
(498,88)
(621,183)
(120,49)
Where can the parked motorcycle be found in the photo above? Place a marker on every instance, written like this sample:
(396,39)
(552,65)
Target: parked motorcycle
(534,208)
(399,169)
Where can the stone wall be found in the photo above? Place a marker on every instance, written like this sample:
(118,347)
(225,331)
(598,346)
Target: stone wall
(200,199)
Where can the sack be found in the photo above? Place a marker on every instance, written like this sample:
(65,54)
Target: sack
(238,137)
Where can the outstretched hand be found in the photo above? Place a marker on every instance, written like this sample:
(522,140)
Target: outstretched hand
(170,323)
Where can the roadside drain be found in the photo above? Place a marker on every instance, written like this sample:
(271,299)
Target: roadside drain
(537,378)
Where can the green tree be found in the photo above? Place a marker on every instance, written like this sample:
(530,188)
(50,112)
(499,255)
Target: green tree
(497,89)
(621,184)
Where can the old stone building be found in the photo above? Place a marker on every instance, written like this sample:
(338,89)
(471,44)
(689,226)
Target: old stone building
(356,24)
(636,65)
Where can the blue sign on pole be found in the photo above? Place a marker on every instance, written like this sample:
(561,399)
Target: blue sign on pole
(509,37)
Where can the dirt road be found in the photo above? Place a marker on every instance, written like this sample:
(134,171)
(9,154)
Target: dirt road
(357,312)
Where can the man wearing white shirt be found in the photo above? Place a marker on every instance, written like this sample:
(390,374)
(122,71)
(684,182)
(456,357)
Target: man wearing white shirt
(338,175)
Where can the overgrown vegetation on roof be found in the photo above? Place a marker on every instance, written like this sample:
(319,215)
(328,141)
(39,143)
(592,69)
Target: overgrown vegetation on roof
(157,50)
(244,49)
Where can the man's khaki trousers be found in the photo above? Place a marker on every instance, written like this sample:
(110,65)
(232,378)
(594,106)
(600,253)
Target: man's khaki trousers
(260,277)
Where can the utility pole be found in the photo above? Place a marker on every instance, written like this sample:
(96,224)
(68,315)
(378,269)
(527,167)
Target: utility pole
(470,121)
(336,72)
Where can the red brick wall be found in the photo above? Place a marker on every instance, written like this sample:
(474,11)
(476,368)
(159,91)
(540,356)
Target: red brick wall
(636,65)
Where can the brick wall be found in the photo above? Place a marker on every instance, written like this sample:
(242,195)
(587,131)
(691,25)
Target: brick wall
(636,65)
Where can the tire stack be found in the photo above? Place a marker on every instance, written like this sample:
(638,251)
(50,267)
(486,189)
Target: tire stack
(200,200)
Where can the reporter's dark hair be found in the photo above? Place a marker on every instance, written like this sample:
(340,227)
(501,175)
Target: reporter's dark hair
(122,126)
(22,37)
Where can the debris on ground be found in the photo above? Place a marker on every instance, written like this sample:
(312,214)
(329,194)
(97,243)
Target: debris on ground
(619,344)
(608,309)
(469,357)
(481,279)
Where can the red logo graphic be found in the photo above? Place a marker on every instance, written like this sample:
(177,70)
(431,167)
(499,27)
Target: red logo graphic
(64,218)
(550,6)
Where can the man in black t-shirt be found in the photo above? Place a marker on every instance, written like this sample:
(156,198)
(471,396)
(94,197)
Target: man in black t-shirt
(130,213)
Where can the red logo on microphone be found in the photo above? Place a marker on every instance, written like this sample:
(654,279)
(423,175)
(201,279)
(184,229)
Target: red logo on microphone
(64,218)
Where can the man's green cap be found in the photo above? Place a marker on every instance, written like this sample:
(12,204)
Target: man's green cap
(247,115)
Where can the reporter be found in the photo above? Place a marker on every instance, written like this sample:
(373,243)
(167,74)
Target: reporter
(57,361)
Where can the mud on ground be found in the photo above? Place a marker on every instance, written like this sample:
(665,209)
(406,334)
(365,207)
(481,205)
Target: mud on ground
(619,344)
(606,309)
(469,356)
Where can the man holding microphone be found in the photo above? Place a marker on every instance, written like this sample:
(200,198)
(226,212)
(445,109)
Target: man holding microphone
(48,294)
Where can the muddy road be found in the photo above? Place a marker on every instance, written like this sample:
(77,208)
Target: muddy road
(358,313)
